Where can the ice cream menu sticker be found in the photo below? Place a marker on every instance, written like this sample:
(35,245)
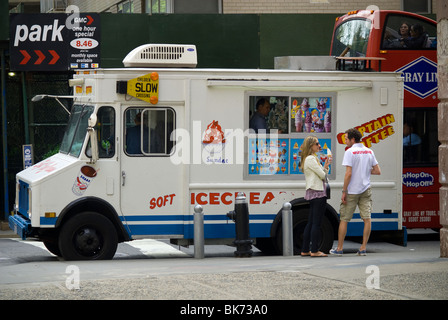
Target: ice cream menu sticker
(268,156)
(296,154)
(311,114)
(280,156)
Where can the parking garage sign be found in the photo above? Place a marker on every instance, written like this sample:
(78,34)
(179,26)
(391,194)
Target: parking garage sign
(54,42)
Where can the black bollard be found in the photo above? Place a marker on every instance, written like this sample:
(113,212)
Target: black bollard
(241,217)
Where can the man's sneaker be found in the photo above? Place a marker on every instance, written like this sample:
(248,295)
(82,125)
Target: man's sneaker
(361,253)
(336,252)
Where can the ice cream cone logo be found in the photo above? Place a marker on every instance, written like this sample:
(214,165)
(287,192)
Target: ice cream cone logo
(213,134)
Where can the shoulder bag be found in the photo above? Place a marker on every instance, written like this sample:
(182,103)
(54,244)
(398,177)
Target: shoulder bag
(327,188)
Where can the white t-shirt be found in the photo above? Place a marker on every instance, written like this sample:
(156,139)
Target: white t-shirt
(362,160)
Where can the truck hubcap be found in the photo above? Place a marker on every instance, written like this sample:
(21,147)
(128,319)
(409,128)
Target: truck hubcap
(87,241)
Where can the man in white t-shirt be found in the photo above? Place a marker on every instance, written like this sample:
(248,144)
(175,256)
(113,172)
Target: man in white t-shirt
(360,163)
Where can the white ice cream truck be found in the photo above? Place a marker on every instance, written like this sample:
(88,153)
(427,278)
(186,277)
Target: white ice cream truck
(148,142)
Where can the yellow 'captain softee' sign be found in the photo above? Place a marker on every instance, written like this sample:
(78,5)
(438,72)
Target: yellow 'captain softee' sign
(145,88)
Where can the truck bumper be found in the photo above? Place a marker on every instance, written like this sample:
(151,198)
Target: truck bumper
(20,225)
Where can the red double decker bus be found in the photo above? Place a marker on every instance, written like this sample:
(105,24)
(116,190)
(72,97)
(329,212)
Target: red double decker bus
(385,40)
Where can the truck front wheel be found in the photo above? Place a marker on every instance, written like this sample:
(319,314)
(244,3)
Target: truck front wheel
(88,236)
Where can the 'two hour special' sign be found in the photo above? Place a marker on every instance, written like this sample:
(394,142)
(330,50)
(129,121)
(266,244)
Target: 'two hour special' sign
(54,42)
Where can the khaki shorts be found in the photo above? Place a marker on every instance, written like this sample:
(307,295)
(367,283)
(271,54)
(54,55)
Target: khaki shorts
(363,201)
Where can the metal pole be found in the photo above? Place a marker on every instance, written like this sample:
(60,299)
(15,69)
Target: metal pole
(288,247)
(241,218)
(25,109)
(4,139)
(198,232)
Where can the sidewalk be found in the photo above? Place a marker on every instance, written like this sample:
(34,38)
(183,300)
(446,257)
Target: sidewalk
(5,232)
(415,272)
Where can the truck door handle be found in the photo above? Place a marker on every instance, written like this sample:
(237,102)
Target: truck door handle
(123,178)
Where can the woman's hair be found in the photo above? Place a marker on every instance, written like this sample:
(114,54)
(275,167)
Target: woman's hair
(306,149)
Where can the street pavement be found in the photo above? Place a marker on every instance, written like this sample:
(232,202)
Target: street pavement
(156,270)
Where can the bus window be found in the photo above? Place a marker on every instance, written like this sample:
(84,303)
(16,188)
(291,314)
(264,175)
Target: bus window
(408,33)
(420,142)
(353,34)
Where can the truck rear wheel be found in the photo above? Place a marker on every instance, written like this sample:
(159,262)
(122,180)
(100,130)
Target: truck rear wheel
(300,219)
(88,236)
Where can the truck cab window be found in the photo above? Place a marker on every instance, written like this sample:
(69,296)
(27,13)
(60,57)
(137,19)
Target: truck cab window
(75,133)
(106,132)
(148,131)
(408,33)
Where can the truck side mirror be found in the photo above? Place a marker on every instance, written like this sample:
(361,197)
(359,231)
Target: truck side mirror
(92,120)
(93,138)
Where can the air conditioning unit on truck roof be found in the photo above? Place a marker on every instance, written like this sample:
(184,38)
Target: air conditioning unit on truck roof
(162,55)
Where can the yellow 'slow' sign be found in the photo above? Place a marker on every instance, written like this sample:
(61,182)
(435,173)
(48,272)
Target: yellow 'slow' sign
(145,88)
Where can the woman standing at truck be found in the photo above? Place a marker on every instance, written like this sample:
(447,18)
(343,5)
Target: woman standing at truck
(315,194)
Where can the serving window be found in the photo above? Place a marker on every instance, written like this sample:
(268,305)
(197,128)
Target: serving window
(278,125)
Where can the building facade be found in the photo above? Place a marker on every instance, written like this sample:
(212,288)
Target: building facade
(223,6)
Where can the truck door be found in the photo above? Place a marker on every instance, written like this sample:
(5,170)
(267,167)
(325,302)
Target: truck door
(151,185)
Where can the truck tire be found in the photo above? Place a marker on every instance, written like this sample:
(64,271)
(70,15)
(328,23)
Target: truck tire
(88,236)
(53,247)
(300,219)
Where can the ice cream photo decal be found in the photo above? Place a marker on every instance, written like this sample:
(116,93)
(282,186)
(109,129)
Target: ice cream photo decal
(82,181)
(312,115)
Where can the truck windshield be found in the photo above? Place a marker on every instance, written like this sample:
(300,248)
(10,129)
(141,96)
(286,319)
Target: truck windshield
(76,130)
(353,34)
